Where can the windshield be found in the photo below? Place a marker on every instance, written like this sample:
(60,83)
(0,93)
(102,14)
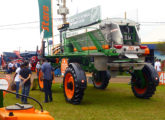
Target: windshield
(130,35)
(116,34)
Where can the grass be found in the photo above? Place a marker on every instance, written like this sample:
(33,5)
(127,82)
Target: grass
(115,103)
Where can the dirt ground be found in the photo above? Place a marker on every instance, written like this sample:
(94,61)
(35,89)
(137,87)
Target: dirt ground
(118,79)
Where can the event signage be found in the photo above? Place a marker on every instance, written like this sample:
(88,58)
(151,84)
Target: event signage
(161,78)
(85,18)
(45,17)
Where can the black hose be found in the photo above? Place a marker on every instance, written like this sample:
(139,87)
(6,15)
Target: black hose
(26,97)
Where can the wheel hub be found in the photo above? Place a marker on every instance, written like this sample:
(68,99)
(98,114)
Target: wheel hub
(140,83)
(70,85)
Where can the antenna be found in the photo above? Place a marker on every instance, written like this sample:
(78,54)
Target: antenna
(63,10)
(125,15)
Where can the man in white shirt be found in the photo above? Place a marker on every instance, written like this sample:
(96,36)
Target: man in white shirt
(17,79)
(38,67)
(10,66)
(157,65)
(30,66)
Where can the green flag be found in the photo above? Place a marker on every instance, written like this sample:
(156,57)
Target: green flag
(45,17)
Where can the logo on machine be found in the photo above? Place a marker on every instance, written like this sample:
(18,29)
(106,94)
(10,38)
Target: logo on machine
(161,78)
(130,48)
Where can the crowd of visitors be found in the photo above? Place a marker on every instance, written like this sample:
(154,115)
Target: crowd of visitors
(22,79)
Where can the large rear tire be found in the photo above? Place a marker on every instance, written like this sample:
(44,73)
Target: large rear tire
(40,81)
(144,82)
(74,83)
(101,79)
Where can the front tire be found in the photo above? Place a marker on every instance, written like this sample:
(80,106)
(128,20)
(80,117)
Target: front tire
(144,82)
(101,79)
(74,85)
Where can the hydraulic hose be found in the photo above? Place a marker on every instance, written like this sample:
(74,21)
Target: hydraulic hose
(24,96)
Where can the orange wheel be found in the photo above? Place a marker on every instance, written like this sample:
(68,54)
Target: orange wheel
(97,83)
(69,85)
(74,83)
(101,79)
(144,82)
(40,80)
(138,88)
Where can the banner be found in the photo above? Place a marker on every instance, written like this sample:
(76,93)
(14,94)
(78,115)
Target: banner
(45,17)
(85,18)
(161,78)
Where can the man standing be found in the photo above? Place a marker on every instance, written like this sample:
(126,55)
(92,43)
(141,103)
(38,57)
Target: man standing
(157,65)
(17,78)
(25,75)
(47,79)
(10,67)
(38,67)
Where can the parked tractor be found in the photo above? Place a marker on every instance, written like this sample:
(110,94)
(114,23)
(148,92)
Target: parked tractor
(103,49)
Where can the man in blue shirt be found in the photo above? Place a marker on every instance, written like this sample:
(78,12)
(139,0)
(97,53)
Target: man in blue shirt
(47,79)
(25,75)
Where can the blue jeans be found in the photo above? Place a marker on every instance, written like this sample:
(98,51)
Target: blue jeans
(47,90)
(17,89)
(25,91)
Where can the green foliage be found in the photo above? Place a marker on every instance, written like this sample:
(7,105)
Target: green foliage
(115,103)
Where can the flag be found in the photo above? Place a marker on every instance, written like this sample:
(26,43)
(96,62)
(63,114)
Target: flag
(45,17)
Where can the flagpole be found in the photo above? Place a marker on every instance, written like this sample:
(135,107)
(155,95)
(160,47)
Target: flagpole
(52,25)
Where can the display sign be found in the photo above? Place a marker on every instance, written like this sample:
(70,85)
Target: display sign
(75,32)
(161,78)
(45,17)
(85,18)
(64,65)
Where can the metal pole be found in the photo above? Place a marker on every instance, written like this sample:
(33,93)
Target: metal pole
(48,45)
(1,98)
(61,40)
(64,16)
(52,22)
(125,15)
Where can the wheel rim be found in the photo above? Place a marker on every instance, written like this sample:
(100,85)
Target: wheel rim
(97,83)
(41,83)
(141,90)
(69,85)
